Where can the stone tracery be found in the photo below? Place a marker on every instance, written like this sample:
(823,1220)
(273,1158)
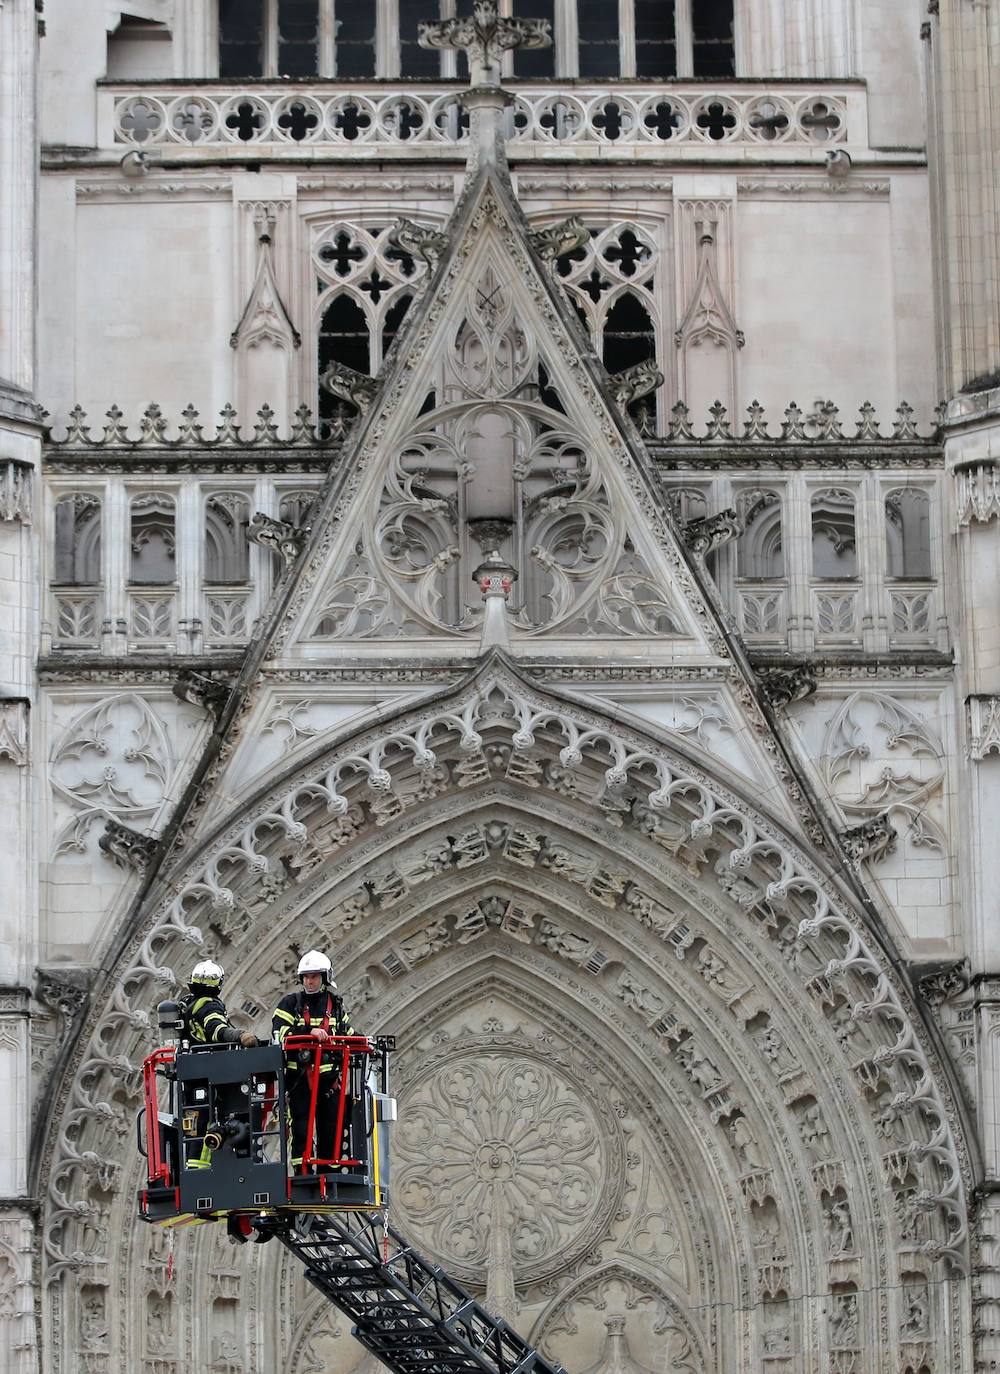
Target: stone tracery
(519,771)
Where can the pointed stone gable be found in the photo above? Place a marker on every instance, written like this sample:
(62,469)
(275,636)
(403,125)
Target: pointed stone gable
(494,427)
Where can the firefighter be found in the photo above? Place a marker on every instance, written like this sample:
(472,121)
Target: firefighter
(318,1010)
(206,1021)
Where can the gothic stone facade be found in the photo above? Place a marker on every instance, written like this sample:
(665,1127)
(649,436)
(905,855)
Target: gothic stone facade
(542,549)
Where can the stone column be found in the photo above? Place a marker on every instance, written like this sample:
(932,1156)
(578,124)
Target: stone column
(972,455)
(964,135)
(20,433)
(18,913)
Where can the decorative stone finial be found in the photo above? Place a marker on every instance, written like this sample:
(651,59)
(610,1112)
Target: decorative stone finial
(484,37)
(495,577)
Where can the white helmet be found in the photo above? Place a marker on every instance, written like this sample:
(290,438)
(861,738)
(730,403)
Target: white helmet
(313,961)
(207,973)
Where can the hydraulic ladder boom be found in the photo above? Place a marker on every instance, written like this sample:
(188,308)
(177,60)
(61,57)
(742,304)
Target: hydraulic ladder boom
(406,1311)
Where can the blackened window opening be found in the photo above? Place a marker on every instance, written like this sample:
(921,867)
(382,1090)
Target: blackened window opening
(241,38)
(629,337)
(343,338)
(538,63)
(355,41)
(713,50)
(298,38)
(414,60)
(597,23)
(655,38)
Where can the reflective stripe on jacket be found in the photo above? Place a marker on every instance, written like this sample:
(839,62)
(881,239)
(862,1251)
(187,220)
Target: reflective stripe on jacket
(298,1014)
(206,1021)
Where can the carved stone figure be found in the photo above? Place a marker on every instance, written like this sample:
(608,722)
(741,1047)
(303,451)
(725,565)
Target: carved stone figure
(698,1067)
(748,1152)
(839,1227)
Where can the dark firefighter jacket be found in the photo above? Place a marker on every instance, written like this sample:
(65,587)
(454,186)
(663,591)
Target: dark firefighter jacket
(206,1021)
(299,1013)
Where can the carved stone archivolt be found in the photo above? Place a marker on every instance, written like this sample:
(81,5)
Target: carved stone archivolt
(675,990)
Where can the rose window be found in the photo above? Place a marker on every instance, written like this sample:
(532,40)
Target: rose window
(489,1123)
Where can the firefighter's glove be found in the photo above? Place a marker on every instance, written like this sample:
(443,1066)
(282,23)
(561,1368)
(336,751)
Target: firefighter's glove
(248,1040)
(321,1035)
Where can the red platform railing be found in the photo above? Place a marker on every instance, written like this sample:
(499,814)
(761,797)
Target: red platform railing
(338,1048)
(158,1170)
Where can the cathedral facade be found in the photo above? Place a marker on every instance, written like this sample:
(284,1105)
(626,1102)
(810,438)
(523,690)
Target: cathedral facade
(521,517)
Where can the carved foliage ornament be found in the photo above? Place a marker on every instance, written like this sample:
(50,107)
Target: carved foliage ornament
(485,37)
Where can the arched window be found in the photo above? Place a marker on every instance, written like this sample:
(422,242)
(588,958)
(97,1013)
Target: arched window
(611,282)
(834,542)
(227,552)
(760,548)
(77,561)
(152,539)
(908,534)
(365,286)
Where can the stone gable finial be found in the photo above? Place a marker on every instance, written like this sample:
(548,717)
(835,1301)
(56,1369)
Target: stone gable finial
(484,37)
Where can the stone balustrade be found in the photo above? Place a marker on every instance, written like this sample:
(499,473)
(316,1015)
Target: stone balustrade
(628,118)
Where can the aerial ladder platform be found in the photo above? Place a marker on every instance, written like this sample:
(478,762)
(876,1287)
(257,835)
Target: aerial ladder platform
(216,1148)
(406,1311)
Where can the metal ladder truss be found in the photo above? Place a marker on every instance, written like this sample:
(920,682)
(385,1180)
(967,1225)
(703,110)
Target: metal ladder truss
(406,1311)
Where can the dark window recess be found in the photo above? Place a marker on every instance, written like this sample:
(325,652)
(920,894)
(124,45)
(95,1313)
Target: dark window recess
(241,38)
(629,337)
(655,38)
(343,338)
(355,41)
(597,22)
(712,38)
(298,37)
(414,60)
(538,63)
(394,317)
(546,393)
(565,264)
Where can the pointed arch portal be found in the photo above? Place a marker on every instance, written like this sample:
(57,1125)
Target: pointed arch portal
(661,1088)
